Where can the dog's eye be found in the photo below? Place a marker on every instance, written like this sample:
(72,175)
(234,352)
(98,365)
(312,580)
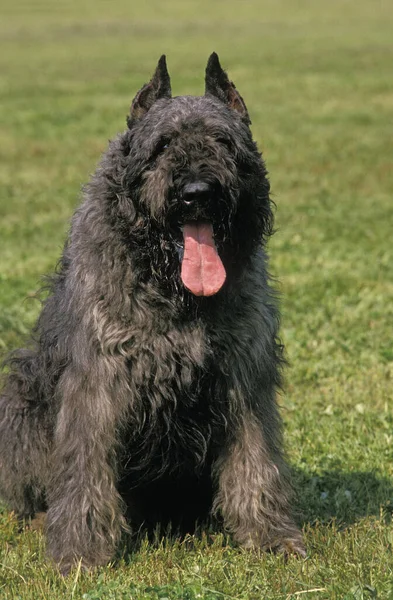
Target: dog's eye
(225,142)
(161,146)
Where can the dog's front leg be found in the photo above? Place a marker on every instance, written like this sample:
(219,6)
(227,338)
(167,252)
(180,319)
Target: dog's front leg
(85,518)
(253,495)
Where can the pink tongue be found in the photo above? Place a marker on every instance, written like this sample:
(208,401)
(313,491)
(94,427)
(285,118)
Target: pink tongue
(202,271)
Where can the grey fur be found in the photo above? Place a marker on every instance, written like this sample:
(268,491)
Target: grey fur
(137,399)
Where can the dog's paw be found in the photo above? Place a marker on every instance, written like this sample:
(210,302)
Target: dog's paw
(37,523)
(289,547)
(66,566)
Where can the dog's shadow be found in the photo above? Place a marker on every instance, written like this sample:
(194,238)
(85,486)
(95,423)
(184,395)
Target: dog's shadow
(343,496)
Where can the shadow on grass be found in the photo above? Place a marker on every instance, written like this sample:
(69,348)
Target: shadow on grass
(343,496)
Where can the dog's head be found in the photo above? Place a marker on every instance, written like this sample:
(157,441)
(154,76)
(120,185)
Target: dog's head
(195,176)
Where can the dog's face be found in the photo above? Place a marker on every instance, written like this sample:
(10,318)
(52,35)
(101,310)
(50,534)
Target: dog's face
(195,173)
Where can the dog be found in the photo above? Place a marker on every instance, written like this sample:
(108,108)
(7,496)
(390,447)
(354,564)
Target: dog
(148,391)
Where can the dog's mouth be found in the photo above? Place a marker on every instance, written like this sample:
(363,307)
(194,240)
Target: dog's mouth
(202,271)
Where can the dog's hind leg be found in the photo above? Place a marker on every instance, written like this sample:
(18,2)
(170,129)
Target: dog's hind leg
(24,438)
(253,495)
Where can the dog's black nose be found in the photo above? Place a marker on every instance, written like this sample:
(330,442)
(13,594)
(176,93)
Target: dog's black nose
(198,190)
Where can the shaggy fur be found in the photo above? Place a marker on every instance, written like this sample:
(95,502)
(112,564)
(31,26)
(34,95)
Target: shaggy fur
(137,400)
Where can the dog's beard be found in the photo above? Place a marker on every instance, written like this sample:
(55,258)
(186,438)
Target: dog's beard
(189,245)
(200,232)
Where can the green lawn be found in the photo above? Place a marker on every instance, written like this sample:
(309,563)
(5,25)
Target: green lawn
(318,81)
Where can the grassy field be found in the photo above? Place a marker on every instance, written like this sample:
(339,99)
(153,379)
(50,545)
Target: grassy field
(317,78)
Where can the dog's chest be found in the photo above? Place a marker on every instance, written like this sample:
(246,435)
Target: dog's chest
(168,359)
(174,380)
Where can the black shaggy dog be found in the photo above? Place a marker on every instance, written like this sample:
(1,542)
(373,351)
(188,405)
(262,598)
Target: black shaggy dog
(149,390)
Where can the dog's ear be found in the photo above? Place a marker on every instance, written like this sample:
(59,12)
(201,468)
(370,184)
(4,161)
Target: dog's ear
(158,87)
(218,85)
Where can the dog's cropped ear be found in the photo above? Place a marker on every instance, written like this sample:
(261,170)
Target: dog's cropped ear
(218,85)
(158,87)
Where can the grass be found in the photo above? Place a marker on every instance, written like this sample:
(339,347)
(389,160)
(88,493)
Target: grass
(318,83)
